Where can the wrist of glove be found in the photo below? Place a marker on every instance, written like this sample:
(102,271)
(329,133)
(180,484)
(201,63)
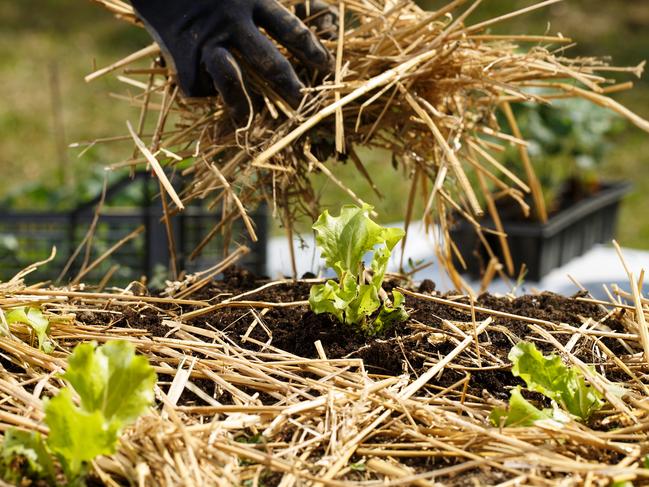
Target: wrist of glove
(213,43)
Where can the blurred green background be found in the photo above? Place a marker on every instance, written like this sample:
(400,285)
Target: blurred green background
(47,49)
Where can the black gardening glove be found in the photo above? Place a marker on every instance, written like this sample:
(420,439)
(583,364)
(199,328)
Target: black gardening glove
(206,39)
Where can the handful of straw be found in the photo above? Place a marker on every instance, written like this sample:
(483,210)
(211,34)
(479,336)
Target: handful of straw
(426,86)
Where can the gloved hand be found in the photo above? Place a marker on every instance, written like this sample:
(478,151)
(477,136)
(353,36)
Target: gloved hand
(204,39)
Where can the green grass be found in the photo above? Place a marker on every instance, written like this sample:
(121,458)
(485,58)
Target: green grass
(68,36)
(74,35)
(630,161)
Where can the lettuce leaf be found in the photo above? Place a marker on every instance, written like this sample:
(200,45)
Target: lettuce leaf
(363,305)
(78,436)
(111,379)
(114,386)
(549,376)
(520,413)
(344,241)
(34,318)
(29,446)
(334,298)
(390,315)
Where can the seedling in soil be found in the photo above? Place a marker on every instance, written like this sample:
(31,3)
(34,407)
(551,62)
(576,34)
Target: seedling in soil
(565,386)
(33,317)
(358,295)
(114,387)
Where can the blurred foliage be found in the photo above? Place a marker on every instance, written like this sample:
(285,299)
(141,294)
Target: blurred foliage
(40,195)
(568,142)
(46,48)
(573,127)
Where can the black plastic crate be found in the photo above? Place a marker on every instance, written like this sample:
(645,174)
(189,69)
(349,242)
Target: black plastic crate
(28,237)
(543,247)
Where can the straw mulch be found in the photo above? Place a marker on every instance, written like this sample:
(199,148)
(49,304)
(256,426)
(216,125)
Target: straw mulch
(294,421)
(425,85)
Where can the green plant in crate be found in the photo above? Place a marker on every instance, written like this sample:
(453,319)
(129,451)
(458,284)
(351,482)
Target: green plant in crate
(114,385)
(567,141)
(358,295)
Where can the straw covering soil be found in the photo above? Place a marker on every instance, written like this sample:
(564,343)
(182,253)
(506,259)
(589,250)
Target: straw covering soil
(246,396)
(256,390)
(427,86)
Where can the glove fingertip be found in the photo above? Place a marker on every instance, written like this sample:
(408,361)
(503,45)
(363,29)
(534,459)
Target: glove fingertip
(322,59)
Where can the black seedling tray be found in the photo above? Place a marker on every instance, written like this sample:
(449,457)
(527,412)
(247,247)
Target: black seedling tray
(544,247)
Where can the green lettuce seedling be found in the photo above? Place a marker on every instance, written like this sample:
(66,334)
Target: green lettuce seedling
(34,318)
(356,297)
(520,412)
(30,447)
(114,386)
(564,385)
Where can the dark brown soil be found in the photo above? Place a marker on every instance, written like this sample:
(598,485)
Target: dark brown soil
(406,348)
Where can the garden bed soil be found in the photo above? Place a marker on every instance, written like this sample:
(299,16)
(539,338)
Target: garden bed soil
(409,347)
(234,369)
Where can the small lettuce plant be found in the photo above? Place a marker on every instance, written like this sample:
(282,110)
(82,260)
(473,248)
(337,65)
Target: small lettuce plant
(114,386)
(33,317)
(565,386)
(357,298)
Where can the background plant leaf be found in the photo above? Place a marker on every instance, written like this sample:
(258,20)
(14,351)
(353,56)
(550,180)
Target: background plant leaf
(30,446)
(34,318)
